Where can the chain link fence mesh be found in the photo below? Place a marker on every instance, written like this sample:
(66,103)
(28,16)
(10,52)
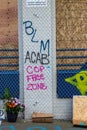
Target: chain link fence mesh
(37,46)
(71,17)
(9,59)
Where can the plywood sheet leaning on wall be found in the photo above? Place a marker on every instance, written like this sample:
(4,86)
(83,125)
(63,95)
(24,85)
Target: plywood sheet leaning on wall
(8,33)
(80,110)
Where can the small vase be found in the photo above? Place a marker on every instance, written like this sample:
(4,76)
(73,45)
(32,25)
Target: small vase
(12,117)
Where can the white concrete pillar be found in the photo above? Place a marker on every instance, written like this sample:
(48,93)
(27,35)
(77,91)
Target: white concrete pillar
(38,44)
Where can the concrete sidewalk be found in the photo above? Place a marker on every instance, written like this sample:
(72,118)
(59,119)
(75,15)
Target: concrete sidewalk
(29,125)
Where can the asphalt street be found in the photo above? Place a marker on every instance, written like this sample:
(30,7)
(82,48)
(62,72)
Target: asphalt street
(29,125)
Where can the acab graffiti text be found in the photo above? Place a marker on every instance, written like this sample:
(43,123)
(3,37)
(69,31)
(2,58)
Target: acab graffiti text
(34,57)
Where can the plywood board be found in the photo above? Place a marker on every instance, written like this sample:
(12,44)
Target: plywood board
(80,110)
(8,23)
(71,29)
(8,31)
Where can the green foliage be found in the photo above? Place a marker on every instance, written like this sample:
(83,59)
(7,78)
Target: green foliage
(7,94)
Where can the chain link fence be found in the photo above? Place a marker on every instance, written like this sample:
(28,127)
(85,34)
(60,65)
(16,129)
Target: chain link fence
(71,19)
(9,59)
(71,48)
(37,49)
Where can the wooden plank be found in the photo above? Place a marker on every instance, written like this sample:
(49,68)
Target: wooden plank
(42,117)
(36,115)
(43,120)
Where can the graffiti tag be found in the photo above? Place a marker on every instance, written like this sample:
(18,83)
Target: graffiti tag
(35,78)
(80,81)
(34,57)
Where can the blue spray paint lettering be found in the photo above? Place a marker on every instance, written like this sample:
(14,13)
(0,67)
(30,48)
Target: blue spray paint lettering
(37,127)
(30,30)
(43,46)
(11,127)
(30,128)
(57,127)
(42,128)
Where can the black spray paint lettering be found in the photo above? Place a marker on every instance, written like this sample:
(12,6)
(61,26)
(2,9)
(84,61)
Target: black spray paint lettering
(34,57)
(29,29)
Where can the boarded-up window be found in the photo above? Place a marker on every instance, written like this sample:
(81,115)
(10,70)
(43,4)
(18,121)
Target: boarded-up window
(71,16)
(9,74)
(8,35)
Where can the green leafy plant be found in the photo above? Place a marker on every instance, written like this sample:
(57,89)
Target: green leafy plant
(7,94)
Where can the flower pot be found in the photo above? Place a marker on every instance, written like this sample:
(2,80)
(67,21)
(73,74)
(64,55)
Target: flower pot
(12,117)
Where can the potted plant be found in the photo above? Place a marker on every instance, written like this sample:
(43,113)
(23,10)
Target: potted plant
(12,107)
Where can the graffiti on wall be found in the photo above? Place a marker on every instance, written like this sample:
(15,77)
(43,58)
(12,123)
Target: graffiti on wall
(35,77)
(39,127)
(32,32)
(34,57)
(35,74)
(80,81)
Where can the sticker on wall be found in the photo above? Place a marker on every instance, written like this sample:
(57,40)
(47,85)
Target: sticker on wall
(32,3)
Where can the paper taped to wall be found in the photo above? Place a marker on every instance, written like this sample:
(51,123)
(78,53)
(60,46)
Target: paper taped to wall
(36,3)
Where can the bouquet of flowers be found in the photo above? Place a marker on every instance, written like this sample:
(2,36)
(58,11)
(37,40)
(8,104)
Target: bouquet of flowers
(13,105)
